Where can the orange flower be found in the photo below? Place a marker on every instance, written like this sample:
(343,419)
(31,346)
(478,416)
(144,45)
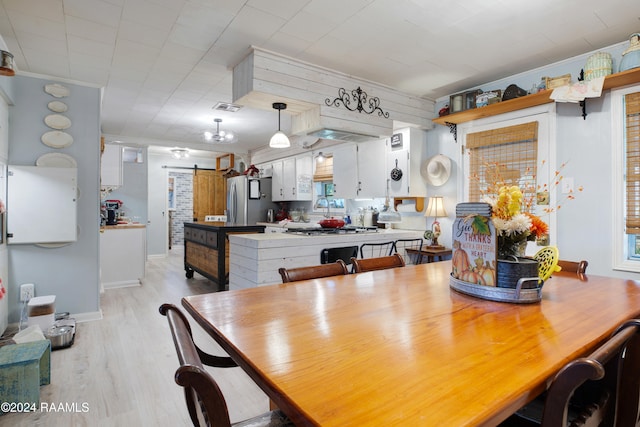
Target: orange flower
(538,227)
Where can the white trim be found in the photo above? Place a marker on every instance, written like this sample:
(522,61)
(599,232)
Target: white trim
(546,118)
(620,256)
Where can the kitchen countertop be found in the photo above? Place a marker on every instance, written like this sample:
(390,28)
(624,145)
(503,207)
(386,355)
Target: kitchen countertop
(229,226)
(122,226)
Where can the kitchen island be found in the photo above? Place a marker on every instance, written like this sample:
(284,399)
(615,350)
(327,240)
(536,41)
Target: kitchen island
(254,259)
(206,249)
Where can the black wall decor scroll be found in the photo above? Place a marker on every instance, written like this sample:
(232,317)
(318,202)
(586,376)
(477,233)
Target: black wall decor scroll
(361,100)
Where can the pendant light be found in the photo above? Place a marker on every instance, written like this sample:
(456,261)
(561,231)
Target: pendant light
(279,139)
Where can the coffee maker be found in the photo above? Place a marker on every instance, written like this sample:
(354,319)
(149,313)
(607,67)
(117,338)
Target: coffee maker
(112,207)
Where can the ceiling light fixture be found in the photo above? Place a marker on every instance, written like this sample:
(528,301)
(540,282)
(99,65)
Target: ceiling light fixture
(279,139)
(221,136)
(180,153)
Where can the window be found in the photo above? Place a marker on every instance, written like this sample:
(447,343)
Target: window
(506,155)
(625,110)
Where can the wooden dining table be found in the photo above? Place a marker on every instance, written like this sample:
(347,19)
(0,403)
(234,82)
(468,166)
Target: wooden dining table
(400,347)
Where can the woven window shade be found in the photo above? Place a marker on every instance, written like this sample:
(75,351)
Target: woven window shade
(504,156)
(324,170)
(632,123)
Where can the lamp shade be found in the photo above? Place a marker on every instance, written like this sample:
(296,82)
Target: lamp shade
(435,208)
(279,140)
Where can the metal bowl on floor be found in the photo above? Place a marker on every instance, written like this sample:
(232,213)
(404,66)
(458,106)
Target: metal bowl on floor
(60,336)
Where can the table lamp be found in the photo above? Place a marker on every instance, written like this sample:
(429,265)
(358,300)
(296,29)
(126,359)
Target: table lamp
(435,208)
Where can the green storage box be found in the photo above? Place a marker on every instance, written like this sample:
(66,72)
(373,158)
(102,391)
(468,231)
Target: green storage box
(23,369)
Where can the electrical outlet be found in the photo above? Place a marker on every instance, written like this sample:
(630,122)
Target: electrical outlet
(27,291)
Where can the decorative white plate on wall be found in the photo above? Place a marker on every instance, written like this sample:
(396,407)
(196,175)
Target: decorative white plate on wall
(57,90)
(56,160)
(57,106)
(57,121)
(57,139)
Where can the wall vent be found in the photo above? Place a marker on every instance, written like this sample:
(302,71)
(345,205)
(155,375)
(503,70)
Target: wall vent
(226,106)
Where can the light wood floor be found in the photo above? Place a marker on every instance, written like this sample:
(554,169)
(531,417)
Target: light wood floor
(122,366)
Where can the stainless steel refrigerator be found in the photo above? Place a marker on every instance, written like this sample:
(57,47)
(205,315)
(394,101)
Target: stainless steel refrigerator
(248,200)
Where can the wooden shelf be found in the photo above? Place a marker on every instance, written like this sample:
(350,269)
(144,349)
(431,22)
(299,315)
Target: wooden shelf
(418,200)
(611,81)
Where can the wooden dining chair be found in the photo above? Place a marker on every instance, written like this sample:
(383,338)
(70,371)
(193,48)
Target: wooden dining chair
(374,250)
(205,401)
(379,263)
(401,245)
(313,272)
(602,389)
(579,267)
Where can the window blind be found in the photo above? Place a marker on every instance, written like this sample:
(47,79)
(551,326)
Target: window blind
(503,156)
(632,132)
(324,169)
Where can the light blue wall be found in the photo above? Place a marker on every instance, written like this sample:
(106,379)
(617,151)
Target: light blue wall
(584,224)
(71,273)
(133,192)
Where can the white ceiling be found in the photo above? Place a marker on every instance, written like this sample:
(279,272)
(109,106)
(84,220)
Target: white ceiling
(165,63)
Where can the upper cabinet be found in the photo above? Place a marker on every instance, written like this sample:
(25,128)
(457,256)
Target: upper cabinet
(357,170)
(111,166)
(407,148)
(291,178)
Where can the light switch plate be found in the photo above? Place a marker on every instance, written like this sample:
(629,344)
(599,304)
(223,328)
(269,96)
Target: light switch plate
(567,185)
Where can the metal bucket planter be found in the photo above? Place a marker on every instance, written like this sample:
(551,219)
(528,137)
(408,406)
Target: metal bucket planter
(510,271)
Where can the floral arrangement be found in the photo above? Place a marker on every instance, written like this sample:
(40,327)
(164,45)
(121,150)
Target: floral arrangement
(512,212)
(514,227)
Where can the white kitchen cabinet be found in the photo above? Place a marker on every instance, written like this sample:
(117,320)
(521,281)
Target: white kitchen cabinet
(123,252)
(111,166)
(358,170)
(407,152)
(345,171)
(304,177)
(292,179)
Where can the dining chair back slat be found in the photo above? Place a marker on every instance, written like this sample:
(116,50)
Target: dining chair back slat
(401,245)
(579,267)
(313,272)
(378,263)
(375,250)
